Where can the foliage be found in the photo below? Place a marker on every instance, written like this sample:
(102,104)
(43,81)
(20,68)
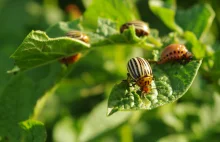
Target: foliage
(170,83)
(44,100)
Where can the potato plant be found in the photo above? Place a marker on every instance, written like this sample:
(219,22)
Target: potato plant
(91,99)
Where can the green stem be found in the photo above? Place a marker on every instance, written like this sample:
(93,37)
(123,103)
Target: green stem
(41,103)
(126,133)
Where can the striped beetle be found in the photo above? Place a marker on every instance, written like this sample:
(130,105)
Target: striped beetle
(141,28)
(140,71)
(175,52)
(77,35)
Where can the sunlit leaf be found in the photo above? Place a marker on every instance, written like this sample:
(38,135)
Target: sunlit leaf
(98,123)
(170,83)
(166,12)
(33,131)
(174,137)
(60,29)
(120,11)
(107,34)
(198,49)
(38,49)
(106,27)
(64,131)
(197,19)
(208,113)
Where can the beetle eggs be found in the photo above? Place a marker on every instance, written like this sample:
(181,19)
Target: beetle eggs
(140,71)
(175,52)
(141,28)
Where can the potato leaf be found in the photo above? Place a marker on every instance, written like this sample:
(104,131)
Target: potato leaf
(170,83)
(166,12)
(120,11)
(38,49)
(96,123)
(197,19)
(33,131)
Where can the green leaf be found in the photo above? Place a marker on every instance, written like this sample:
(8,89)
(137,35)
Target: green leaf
(209,119)
(197,19)
(108,35)
(23,15)
(171,120)
(198,49)
(166,12)
(216,67)
(174,137)
(64,130)
(5,51)
(20,94)
(33,131)
(153,40)
(106,27)
(127,37)
(61,28)
(97,123)
(186,108)
(120,11)
(126,133)
(38,49)
(210,115)
(216,112)
(170,83)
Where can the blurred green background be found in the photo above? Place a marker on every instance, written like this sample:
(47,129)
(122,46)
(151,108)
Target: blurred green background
(75,109)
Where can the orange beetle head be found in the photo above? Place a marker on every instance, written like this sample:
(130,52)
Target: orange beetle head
(145,83)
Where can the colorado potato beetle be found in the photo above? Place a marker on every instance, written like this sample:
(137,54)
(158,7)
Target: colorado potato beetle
(77,35)
(71,59)
(140,71)
(175,52)
(141,28)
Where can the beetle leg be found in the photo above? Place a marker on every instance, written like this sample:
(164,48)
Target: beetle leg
(184,61)
(64,60)
(187,60)
(142,94)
